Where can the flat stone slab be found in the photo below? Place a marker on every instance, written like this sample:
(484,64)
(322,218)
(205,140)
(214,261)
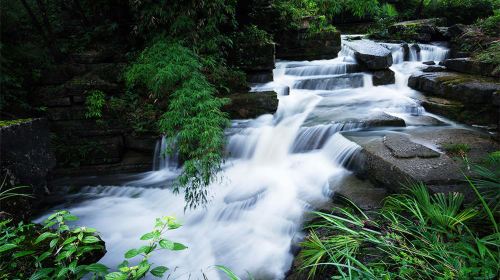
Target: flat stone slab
(362,193)
(387,162)
(331,83)
(370,54)
(402,147)
(251,104)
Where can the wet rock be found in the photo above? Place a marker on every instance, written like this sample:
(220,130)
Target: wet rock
(256,60)
(362,193)
(371,55)
(143,143)
(460,87)
(391,162)
(434,69)
(470,66)
(251,104)
(302,45)
(402,147)
(466,98)
(25,160)
(383,77)
(383,120)
(25,151)
(422,30)
(331,83)
(423,120)
(429,63)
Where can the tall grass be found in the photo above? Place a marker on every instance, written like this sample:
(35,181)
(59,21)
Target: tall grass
(416,235)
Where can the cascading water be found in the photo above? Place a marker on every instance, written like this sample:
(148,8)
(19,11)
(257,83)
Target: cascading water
(278,168)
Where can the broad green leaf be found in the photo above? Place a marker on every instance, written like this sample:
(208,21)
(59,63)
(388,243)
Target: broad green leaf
(131,253)
(166,244)
(41,274)
(143,269)
(22,254)
(70,217)
(90,239)
(62,272)
(69,240)
(159,271)
(44,236)
(7,247)
(147,236)
(53,242)
(145,249)
(43,256)
(179,246)
(116,276)
(97,267)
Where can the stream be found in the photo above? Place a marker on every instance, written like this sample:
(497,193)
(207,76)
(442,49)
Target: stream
(278,168)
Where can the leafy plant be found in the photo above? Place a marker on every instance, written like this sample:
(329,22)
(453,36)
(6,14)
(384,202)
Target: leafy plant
(95,103)
(414,236)
(156,241)
(54,251)
(490,55)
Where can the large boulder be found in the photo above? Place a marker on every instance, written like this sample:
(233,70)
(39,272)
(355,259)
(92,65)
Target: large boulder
(422,30)
(471,66)
(383,77)
(395,158)
(371,55)
(303,44)
(251,104)
(467,98)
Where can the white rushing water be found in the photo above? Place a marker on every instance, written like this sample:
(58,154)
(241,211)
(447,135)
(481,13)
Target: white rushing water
(278,168)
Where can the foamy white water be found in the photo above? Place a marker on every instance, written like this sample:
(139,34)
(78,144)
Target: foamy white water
(278,168)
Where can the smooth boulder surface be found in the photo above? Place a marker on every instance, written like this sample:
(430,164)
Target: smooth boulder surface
(251,104)
(371,55)
(421,30)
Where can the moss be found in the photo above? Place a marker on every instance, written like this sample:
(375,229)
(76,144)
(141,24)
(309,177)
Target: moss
(13,122)
(456,149)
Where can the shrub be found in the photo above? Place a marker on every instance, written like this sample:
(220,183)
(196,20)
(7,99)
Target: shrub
(490,55)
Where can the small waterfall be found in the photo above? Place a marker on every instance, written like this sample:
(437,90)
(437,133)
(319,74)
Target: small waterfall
(162,159)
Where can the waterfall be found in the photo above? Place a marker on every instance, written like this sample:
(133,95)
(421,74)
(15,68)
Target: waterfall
(277,168)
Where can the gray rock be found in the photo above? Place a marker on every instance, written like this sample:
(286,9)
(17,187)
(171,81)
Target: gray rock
(301,45)
(251,104)
(431,69)
(362,193)
(371,55)
(24,149)
(331,83)
(442,172)
(429,63)
(460,87)
(383,77)
(470,66)
(402,147)
(423,30)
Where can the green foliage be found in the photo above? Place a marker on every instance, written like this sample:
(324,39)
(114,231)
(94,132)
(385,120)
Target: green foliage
(414,236)
(358,8)
(458,149)
(490,55)
(156,242)
(13,122)
(491,25)
(56,251)
(459,11)
(193,123)
(70,150)
(95,102)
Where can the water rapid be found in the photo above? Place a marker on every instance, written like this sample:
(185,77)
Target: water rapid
(278,168)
